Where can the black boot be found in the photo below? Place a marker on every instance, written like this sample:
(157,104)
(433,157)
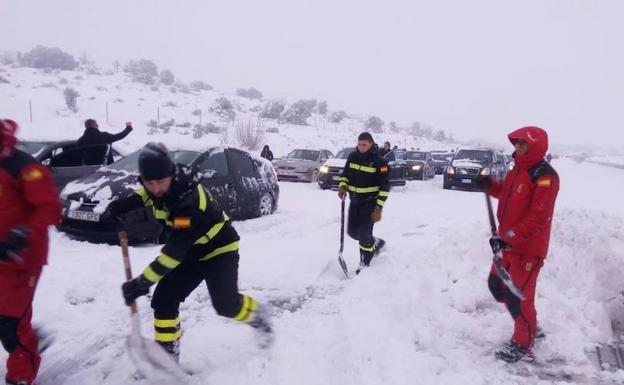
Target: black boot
(512,352)
(173,348)
(379,244)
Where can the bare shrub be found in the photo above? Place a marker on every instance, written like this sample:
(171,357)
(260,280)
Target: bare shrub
(71,98)
(250,135)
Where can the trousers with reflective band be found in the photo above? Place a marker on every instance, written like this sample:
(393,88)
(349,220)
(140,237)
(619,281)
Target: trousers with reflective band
(167,330)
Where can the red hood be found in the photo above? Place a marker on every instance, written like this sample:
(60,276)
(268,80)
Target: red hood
(8,140)
(537,140)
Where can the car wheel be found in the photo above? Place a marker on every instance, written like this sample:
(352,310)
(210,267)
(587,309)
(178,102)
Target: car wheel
(266,204)
(315,175)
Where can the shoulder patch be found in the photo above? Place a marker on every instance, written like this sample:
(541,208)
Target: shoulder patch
(181,222)
(544,182)
(383,168)
(31,174)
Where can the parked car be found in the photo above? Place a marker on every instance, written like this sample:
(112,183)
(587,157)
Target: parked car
(301,165)
(244,185)
(68,161)
(442,160)
(398,167)
(469,164)
(330,171)
(420,165)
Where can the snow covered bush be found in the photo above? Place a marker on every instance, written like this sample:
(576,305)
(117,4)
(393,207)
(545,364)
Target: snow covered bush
(374,124)
(143,71)
(71,97)
(198,85)
(48,57)
(224,108)
(321,108)
(337,116)
(272,109)
(250,93)
(298,112)
(199,130)
(166,77)
(250,135)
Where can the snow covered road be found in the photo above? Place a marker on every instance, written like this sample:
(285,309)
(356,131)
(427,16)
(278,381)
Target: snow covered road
(422,314)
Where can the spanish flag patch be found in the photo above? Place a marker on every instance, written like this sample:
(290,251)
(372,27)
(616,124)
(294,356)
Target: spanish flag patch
(181,223)
(383,169)
(543,182)
(32,175)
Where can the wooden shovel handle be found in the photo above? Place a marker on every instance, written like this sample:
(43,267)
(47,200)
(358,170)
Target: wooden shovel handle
(123,242)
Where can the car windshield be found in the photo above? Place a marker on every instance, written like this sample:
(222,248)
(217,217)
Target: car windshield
(131,162)
(303,154)
(415,155)
(443,157)
(344,153)
(32,148)
(473,155)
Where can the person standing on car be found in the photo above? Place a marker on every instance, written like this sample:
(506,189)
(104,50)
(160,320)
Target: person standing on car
(526,202)
(29,203)
(202,247)
(365,177)
(267,153)
(97,140)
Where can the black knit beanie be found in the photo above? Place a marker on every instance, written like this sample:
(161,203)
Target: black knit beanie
(154,162)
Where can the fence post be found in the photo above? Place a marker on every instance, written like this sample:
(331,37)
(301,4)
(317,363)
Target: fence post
(158,115)
(200,117)
(30,109)
(107,115)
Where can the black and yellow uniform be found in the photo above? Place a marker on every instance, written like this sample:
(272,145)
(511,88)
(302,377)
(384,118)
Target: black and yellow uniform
(202,246)
(365,177)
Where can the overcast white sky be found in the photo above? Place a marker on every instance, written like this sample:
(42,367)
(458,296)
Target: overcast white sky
(478,68)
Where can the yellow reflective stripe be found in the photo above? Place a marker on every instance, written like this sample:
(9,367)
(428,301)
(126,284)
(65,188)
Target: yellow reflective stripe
(383,193)
(354,166)
(202,197)
(167,261)
(214,230)
(151,275)
(166,323)
(372,248)
(143,194)
(380,202)
(342,184)
(363,190)
(167,337)
(231,247)
(343,179)
(246,312)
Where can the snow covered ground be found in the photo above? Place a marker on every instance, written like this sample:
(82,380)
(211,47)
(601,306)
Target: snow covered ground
(421,314)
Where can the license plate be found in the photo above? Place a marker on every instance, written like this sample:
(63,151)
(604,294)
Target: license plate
(84,215)
(466,180)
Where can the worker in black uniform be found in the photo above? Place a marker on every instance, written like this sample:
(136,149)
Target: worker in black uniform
(365,177)
(203,246)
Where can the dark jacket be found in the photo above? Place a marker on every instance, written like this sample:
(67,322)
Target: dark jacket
(266,153)
(99,152)
(365,176)
(199,229)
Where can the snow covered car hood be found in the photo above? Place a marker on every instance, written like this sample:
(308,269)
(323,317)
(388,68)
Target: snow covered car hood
(466,163)
(335,162)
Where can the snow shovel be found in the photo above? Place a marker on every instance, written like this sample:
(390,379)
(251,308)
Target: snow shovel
(341,260)
(151,360)
(498,255)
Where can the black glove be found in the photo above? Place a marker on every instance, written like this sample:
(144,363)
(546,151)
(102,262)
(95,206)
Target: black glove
(484,183)
(497,244)
(16,241)
(117,214)
(135,288)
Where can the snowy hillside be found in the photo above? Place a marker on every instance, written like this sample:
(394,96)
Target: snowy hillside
(130,101)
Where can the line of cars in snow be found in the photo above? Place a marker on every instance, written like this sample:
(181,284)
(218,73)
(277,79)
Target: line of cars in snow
(460,169)
(90,177)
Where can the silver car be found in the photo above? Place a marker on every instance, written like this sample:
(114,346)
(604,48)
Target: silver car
(301,165)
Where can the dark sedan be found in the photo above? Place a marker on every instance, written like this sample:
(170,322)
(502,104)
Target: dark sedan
(468,165)
(244,186)
(68,161)
(442,160)
(398,167)
(420,165)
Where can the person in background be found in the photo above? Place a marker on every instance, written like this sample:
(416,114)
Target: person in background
(267,153)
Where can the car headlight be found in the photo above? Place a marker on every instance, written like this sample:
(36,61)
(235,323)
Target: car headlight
(324,169)
(485,171)
(450,170)
(416,167)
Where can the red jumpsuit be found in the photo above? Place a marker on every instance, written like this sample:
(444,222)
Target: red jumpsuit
(526,201)
(28,197)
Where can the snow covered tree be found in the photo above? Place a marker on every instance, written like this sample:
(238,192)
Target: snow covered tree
(167,77)
(71,98)
(337,116)
(298,112)
(272,109)
(374,124)
(49,58)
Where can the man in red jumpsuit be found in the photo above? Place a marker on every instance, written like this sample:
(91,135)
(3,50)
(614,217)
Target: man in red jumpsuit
(29,203)
(526,201)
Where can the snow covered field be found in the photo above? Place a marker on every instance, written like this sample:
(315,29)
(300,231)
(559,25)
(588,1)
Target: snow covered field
(422,314)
